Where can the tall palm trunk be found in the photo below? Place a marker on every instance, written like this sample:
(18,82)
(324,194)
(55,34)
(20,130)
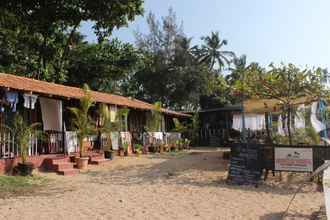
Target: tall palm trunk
(81,146)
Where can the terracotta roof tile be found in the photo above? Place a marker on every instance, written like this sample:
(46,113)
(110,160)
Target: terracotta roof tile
(43,87)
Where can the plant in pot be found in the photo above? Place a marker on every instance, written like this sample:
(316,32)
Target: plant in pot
(122,125)
(138,149)
(186,143)
(107,127)
(125,148)
(121,151)
(83,125)
(181,144)
(161,148)
(176,145)
(154,124)
(23,132)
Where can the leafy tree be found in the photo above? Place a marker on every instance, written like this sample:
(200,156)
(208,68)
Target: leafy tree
(220,93)
(104,65)
(45,30)
(286,84)
(170,74)
(212,53)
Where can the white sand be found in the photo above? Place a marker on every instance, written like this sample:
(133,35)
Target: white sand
(190,186)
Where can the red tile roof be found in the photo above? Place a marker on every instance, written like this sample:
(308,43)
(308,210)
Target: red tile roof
(47,88)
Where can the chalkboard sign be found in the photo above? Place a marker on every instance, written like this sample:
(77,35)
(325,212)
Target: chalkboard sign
(245,164)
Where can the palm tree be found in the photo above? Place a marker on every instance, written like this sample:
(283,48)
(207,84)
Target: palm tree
(82,122)
(238,69)
(211,52)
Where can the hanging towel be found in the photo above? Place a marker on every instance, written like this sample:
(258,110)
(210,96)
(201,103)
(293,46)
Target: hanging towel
(113,113)
(158,135)
(316,124)
(51,112)
(237,122)
(12,98)
(253,122)
(299,119)
(29,100)
(71,141)
(115,140)
(280,129)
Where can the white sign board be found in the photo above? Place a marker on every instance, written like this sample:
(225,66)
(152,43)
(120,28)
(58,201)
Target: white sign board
(294,159)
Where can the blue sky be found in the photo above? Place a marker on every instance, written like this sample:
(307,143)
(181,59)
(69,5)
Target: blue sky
(295,31)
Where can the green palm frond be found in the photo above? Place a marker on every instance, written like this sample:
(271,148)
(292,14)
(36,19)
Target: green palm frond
(81,121)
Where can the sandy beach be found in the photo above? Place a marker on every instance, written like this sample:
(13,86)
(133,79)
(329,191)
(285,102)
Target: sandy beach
(190,185)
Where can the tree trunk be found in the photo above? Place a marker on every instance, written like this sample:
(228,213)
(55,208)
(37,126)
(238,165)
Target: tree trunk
(81,146)
(289,125)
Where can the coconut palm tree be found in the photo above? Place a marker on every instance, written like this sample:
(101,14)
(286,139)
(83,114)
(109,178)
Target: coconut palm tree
(238,69)
(212,53)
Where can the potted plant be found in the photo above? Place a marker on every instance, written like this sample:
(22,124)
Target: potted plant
(138,149)
(125,148)
(23,133)
(121,151)
(186,143)
(83,125)
(154,124)
(106,127)
(161,148)
(145,149)
(177,145)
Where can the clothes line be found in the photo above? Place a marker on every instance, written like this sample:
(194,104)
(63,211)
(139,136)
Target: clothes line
(253,122)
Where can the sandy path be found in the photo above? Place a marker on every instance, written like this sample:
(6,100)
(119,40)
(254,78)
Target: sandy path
(189,186)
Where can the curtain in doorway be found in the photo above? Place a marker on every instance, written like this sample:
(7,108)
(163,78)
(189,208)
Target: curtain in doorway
(51,110)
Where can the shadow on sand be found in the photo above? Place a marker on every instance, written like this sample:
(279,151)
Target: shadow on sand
(201,169)
(319,215)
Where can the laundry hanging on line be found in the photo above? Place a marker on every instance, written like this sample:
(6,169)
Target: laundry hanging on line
(253,122)
(299,118)
(113,113)
(12,98)
(316,123)
(29,100)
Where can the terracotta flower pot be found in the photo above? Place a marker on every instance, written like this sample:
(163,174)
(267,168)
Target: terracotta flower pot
(121,152)
(109,155)
(25,169)
(72,158)
(82,162)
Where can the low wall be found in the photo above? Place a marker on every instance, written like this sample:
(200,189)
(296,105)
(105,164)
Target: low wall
(41,161)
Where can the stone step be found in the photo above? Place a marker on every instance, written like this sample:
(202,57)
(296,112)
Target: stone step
(60,160)
(68,172)
(99,161)
(96,156)
(62,166)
